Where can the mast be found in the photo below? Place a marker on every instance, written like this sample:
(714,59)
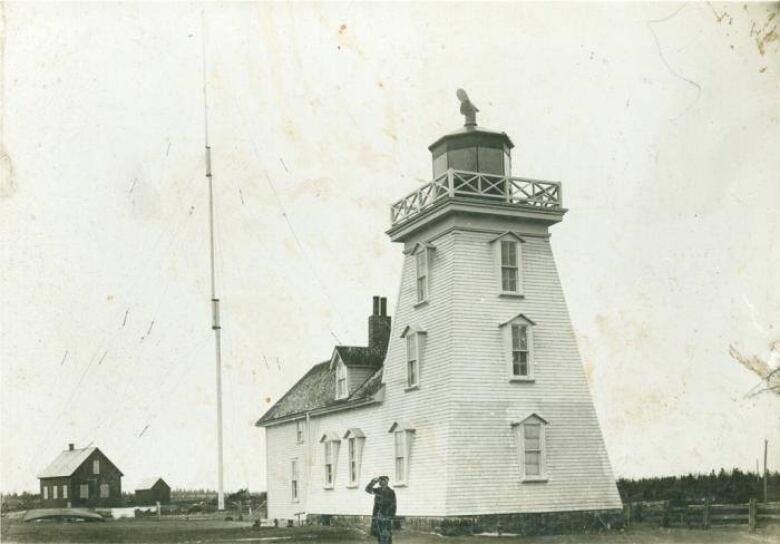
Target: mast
(215,324)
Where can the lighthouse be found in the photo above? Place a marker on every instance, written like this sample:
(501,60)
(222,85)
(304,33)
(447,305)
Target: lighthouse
(480,408)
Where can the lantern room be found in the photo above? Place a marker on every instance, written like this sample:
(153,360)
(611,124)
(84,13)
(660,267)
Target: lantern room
(472,148)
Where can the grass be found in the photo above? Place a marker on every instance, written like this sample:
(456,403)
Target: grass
(207,532)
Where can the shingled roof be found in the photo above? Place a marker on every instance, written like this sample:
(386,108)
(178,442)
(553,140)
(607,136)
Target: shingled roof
(67,462)
(360,356)
(317,390)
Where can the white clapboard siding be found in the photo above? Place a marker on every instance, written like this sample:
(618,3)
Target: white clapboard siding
(464,456)
(484,458)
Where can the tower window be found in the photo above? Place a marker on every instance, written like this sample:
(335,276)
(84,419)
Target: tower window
(402,448)
(509,263)
(532,445)
(509,267)
(518,347)
(412,361)
(520,350)
(415,345)
(400,456)
(421,260)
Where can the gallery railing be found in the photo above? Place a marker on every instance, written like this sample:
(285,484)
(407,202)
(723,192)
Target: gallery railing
(452,183)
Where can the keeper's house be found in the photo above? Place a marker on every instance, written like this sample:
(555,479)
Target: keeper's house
(474,402)
(81,477)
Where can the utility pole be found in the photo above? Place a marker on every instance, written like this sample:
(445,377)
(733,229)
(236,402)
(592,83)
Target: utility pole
(766,473)
(215,325)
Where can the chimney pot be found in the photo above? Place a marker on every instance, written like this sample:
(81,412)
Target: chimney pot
(376,306)
(383,306)
(70,447)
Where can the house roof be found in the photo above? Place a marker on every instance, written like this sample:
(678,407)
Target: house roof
(317,389)
(360,356)
(66,463)
(148,483)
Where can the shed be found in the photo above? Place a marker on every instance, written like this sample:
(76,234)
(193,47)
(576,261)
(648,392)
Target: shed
(151,491)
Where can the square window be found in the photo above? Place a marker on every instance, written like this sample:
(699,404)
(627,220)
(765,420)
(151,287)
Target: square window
(84,491)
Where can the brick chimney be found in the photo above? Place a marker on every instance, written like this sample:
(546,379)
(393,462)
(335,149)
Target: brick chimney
(379,326)
(70,447)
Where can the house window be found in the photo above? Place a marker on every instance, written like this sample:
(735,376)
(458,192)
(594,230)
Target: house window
(520,350)
(46,492)
(531,434)
(353,460)
(103,491)
(509,266)
(341,381)
(96,466)
(400,456)
(299,431)
(54,490)
(355,439)
(421,259)
(294,480)
(518,342)
(64,491)
(84,491)
(330,443)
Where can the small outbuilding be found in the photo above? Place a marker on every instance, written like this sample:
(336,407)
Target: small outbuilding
(151,491)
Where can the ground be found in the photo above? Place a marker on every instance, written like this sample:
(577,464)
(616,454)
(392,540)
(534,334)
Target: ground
(206,532)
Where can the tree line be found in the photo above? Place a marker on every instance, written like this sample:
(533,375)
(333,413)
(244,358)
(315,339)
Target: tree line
(734,487)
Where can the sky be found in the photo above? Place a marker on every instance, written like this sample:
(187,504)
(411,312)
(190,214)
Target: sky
(660,120)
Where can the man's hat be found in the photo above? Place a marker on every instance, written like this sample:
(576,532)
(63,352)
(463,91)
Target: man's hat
(384,478)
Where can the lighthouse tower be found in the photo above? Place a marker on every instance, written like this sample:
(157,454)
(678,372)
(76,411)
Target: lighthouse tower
(484,387)
(472,399)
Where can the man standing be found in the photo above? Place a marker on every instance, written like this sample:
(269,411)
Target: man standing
(384,509)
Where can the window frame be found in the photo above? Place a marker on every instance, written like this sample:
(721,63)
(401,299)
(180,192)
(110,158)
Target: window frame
(64,491)
(422,267)
(84,491)
(406,432)
(96,466)
(46,492)
(106,488)
(523,450)
(355,443)
(498,250)
(300,427)
(419,338)
(294,480)
(508,328)
(342,377)
(331,443)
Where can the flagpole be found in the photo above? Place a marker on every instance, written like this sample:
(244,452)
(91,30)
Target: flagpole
(215,323)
